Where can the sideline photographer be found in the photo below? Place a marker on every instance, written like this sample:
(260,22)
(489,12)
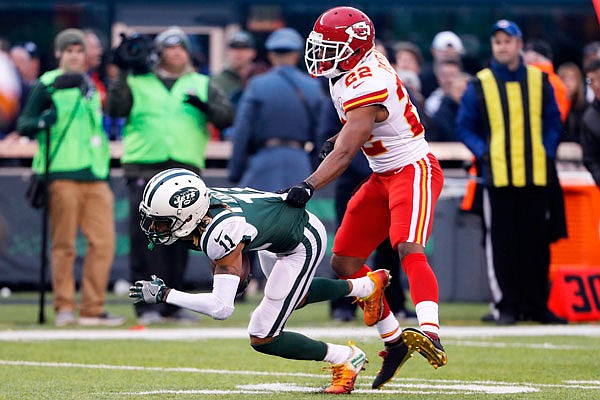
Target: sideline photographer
(65,105)
(168,106)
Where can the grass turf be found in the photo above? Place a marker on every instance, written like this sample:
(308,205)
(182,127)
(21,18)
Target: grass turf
(551,367)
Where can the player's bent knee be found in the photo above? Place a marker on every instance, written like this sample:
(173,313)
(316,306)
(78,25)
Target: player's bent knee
(346,265)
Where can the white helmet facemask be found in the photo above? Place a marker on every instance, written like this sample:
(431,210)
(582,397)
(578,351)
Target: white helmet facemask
(322,57)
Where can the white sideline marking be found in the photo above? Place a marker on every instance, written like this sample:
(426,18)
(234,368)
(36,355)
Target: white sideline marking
(590,330)
(399,386)
(544,346)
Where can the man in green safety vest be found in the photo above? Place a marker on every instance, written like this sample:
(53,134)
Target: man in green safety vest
(79,194)
(168,108)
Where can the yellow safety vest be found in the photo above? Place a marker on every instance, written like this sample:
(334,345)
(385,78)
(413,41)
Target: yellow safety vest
(514,114)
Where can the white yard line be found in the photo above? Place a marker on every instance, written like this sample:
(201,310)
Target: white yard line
(151,333)
(399,386)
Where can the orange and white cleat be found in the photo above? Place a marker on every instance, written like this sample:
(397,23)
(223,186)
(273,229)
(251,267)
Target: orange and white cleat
(345,374)
(372,305)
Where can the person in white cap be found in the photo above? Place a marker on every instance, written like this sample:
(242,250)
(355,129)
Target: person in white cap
(446,46)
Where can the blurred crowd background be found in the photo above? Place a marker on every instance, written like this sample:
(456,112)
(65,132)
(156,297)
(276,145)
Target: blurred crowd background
(568,29)
(436,48)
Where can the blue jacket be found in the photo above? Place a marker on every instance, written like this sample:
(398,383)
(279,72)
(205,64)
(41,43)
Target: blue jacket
(473,130)
(270,107)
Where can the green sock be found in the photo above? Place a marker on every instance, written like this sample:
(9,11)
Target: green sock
(294,346)
(322,289)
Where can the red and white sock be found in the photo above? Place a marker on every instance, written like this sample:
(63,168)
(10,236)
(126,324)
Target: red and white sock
(428,317)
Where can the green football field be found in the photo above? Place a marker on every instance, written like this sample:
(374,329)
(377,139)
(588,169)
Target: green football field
(212,359)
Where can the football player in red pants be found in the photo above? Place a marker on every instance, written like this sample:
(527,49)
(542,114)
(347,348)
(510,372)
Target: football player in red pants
(399,197)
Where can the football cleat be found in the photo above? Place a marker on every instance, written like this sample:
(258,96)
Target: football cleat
(427,344)
(345,374)
(372,305)
(394,356)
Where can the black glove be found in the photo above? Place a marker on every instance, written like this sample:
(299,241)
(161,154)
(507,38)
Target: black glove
(195,101)
(47,118)
(69,80)
(325,149)
(299,194)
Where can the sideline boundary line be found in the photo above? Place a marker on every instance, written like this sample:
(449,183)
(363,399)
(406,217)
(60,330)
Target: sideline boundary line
(587,330)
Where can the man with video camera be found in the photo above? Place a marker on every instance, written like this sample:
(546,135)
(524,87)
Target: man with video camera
(168,106)
(65,105)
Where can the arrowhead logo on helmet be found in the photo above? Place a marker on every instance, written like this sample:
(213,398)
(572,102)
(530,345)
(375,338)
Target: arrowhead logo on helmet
(359,30)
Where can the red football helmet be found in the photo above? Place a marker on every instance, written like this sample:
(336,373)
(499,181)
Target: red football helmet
(341,37)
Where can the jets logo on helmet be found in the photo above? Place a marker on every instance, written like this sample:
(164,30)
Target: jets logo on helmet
(184,197)
(173,204)
(359,30)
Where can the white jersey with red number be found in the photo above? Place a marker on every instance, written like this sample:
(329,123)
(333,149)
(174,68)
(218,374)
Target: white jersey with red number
(400,139)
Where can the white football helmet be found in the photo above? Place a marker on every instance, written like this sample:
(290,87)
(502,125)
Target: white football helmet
(173,204)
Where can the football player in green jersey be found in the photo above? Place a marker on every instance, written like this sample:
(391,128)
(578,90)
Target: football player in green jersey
(290,241)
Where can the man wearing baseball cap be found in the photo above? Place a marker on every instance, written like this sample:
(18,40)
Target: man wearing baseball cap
(276,117)
(509,119)
(240,55)
(445,46)
(167,111)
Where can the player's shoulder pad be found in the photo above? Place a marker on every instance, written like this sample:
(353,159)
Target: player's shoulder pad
(223,234)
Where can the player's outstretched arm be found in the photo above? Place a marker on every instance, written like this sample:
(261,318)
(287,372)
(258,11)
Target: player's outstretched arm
(354,134)
(219,304)
(348,141)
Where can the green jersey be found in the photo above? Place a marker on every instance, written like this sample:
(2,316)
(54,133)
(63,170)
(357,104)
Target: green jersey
(262,220)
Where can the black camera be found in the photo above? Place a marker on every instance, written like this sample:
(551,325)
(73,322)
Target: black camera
(135,54)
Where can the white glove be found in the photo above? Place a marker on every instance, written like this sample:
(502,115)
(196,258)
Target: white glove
(149,292)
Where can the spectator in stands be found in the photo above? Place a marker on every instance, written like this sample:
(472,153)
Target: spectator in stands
(591,52)
(408,57)
(241,66)
(94,58)
(590,133)
(442,127)
(446,72)
(446,45)
(572,77)
(27,60)
(167,111)
(65,105)
(95,51)
(516,195)
(240,54)
(538,54)
(11,87)
(10,93)
(276,118)
(408,66)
